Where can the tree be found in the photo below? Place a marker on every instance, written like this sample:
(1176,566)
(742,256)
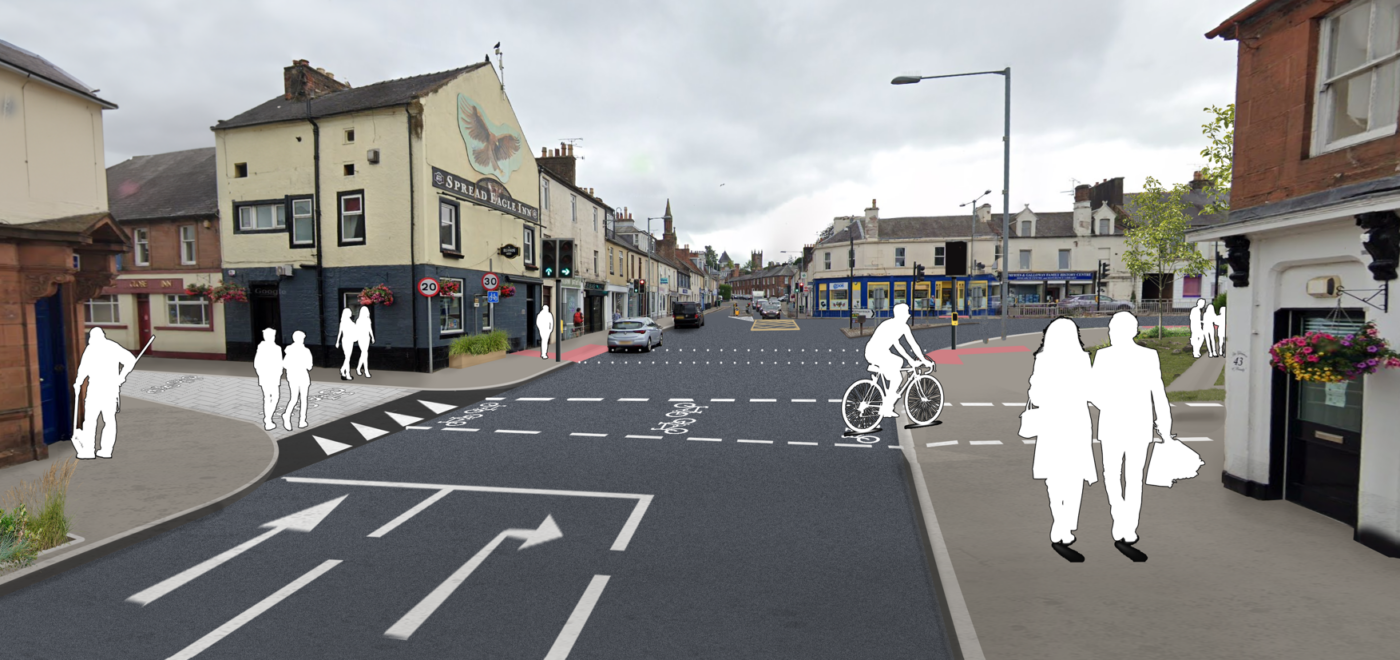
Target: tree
(711,257)
(1156,237)
(1220,130)
(726,291)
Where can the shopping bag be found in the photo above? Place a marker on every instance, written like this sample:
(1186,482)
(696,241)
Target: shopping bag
(1172,460)
(1030,422)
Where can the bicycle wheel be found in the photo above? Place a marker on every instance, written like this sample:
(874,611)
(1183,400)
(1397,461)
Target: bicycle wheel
(923,400)
(861,405)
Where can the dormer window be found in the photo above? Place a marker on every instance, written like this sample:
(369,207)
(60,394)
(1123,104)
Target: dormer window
(1025,228)
(1105,226)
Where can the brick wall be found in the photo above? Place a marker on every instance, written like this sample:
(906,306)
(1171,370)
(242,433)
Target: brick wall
(164,237)
(1274,109)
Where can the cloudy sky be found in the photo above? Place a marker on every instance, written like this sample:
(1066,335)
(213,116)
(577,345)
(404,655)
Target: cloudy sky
(787,104)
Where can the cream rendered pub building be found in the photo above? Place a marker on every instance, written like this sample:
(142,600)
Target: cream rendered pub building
(330,189)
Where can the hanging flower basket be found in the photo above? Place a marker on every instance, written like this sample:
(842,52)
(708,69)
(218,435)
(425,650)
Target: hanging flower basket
(228,292)
(377,295)
(449,286)
(201,290)
(507,291)
(1323,358)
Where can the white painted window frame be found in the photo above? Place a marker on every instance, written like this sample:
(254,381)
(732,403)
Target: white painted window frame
(172,301)
(189,250)
(1323,96)
(141,241)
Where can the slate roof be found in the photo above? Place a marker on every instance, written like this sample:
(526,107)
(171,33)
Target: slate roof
(179,184)
(36,65)
(385,94)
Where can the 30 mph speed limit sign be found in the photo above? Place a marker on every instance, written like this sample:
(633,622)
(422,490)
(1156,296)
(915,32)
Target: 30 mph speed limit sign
(428,287)
(490,281)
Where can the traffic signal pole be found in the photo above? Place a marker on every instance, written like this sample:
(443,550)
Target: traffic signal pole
(559,335)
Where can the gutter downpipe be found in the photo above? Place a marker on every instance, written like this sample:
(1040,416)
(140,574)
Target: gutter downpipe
(412,248)
(320,241)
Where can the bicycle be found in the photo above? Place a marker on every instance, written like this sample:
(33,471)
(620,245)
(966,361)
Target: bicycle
(921,392)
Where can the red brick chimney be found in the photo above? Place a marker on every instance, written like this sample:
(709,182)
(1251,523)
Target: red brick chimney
(301,82)
(560,162)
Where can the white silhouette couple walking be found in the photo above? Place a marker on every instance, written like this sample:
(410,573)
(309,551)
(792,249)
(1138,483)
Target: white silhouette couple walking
(1125,383)
(1208,328)
(355,332)
(270,362)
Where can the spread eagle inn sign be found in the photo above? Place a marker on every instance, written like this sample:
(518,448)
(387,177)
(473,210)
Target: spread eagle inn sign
(485,192)
(493,149)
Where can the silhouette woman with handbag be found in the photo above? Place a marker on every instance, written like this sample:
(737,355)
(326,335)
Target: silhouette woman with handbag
(1057,415)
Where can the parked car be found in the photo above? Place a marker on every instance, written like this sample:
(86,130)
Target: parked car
(688,313)
(634,332)
(772,311)
(782,299)
(1086,302)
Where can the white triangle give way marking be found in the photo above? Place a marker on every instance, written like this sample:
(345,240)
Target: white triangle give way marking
(438,408)
(404,420)
(330,446)
(369,432)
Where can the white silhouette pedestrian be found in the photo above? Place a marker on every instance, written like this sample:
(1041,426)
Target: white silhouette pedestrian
(1131,401)
(1220,331)
(1197,319)
(877,353)
(544,322)
(268,363)
(345,338)
(297,361)
(363,338)
(1210,323)
(104,365)
(1060,387)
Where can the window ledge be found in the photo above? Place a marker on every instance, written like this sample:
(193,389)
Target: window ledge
(188,328)
(115,326)
(451,254)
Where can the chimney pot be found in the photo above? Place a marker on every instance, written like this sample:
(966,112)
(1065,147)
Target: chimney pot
(1196,176)
(544,152)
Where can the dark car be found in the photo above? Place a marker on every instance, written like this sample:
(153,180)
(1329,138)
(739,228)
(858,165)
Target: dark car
(688,313)
(772,310)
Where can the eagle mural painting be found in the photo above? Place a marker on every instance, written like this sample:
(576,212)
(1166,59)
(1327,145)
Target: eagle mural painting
(493,149)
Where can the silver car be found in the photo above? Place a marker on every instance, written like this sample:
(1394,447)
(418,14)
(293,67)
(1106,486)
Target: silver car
(634,332)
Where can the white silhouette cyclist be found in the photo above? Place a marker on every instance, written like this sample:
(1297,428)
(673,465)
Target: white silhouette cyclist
(877,353)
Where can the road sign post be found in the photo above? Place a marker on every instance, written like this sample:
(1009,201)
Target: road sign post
(428,288)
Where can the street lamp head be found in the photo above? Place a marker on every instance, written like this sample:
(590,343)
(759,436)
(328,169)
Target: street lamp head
(905,80)
(987,193)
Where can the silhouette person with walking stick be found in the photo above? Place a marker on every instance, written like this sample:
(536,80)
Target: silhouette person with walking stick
(268,363)
(345,339)
(298,363)
(544,322)
(364,337)
(1129,394)
(105,365)
(1199,327)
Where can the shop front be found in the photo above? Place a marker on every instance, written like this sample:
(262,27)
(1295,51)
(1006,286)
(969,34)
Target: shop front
(1048,286)
(879,295)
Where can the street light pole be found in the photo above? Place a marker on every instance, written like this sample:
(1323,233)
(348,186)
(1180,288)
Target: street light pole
(971,252)
(1006,175)
(851,281)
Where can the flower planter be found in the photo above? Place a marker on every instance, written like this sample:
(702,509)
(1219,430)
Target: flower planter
(464,361)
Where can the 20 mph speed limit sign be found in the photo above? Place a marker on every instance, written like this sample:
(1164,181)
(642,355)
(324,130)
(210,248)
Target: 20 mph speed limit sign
(490,281)
(428,287)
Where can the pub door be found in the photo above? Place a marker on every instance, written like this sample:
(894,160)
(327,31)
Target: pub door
(1323,446)
(54,400)
(143,319)
(266,304)
(594,314)
(532,310)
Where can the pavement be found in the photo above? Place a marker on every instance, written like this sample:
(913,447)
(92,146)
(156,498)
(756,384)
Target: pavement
(1201,375)
(163,475)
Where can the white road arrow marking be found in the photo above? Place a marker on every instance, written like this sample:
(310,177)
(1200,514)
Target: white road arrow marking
(369,432)
(438,408)
(405,627)
(404,420)
(301,521)
(251,613)
(330,446)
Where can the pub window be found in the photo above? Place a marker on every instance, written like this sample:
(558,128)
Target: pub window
(450,318)
(1358,57)
(940,254)
(262,217)
(349,135)
(529,248)
(352,218)
(187,247)
(303,229)
(187,310)
(103,309)
(349,169)
(240,170)
(447,225)
(351,300)
(143,246)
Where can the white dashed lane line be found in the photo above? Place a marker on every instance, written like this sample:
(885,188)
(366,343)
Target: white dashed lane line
(763,400)
(680,399)
(1204,405)
(804,400)
(848,444)
(813,444)
(984,442)
(1014,404)
(522,432)
(945,443)
(645,437)
(419,428)
(721,400)
(535,398)
(631,399)
(977,404)
(761,442)
(453,428)
(584,399)
(705,439)
(591,435)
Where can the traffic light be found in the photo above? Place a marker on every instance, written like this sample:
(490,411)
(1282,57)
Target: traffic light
(918,272)
(1103,270)
(566,257)
(550,257)
(641,286)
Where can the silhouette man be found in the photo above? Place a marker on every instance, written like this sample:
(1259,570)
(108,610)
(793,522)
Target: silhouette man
(544,322)
(345,339)
(105,365)
(297,361)
(1210,324)
(268,363)
(1199,327)
(1220,330)
(1129,391)
(877,353)
(363,338)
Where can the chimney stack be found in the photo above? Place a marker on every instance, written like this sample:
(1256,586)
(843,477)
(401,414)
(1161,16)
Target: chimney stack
(301,82)
(560,162)
(1081,193)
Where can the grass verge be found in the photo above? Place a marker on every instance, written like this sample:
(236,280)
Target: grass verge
(32,517)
